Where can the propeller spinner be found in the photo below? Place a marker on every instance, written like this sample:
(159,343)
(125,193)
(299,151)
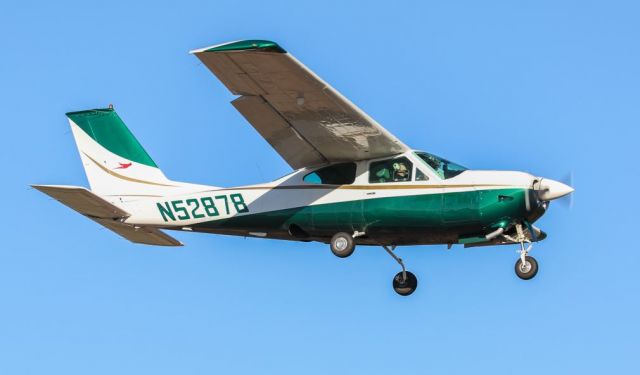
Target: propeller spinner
(548,189)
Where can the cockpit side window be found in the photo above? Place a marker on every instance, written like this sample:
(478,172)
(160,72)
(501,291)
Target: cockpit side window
(390,170)
(337,174)
(444,168)
(420,176)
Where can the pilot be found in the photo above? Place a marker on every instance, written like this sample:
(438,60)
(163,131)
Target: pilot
(400,172)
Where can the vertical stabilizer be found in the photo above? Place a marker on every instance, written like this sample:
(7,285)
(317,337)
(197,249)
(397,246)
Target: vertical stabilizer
(113,159)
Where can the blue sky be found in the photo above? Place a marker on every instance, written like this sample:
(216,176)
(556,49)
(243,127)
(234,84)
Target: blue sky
(546,87)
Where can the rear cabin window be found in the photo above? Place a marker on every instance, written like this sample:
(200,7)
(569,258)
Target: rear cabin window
(390,170)
(338,174)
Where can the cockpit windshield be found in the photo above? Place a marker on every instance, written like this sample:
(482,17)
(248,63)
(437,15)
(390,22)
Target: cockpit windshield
(444,168)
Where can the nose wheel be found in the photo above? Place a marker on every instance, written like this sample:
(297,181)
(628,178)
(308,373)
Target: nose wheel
(404,282)
(527,269)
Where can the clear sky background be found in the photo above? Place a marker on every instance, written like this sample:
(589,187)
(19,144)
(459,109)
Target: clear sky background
(546,87)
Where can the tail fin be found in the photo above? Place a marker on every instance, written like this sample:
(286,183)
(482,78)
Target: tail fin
(113,159)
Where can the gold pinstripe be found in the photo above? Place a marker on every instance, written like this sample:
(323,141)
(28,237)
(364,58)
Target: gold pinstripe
(118,175)
(368,187)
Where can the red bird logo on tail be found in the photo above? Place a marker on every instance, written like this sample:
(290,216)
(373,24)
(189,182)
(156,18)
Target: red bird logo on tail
(123,166)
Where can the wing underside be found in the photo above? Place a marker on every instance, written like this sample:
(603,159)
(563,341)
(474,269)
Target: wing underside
(303,118)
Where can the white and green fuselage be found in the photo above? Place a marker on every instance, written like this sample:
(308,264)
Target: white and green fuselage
(423,208)
(461,209)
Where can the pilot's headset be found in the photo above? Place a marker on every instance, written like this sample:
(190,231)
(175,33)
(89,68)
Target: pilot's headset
(396,169)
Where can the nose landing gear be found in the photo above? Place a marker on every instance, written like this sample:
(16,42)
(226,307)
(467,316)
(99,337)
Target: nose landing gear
(526,267)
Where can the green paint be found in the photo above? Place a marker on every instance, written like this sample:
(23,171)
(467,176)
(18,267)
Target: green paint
(196,205)
(466,240)
(238,203)
(497,211)
(165,211)
(259,45)
(209,206)
(178,209)
(406,214)
(460,208)
(226,201)
(106,128)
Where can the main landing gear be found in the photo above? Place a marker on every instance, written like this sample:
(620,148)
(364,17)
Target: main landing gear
(342,244)
(404,282)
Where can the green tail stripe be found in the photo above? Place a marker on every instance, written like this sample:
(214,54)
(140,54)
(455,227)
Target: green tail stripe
(105,127)
(261,45)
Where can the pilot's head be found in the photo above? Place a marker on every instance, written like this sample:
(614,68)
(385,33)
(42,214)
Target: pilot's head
(400,170)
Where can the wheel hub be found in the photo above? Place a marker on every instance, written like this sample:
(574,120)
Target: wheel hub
(525,267)
(341,244)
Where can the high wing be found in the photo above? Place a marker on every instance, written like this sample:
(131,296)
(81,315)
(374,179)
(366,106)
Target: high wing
(306,121)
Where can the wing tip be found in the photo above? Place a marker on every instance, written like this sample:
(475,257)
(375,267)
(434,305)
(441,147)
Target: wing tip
(243,45)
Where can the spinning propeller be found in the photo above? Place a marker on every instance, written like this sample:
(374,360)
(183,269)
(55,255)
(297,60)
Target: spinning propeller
(547,189)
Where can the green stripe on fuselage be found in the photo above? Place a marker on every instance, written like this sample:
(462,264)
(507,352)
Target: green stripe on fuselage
(463,211)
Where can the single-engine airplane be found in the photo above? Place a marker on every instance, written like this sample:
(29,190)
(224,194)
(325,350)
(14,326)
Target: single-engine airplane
(353,183)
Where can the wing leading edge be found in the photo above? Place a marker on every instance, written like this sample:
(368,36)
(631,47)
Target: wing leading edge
(304,119)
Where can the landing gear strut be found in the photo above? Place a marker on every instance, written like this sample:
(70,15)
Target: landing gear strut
(526,267)
(404,282)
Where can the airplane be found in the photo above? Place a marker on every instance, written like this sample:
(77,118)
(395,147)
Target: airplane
(353,182)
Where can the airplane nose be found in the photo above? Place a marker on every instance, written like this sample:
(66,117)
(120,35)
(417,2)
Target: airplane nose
(550,189)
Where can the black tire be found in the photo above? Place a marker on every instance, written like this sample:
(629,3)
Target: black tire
(529,271)
(405,287)
(342,245)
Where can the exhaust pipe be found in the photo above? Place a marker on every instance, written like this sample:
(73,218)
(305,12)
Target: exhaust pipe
(494,234)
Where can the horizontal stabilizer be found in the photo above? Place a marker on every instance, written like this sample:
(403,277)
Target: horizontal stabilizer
(140,234)
(83,201)
(106,214)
